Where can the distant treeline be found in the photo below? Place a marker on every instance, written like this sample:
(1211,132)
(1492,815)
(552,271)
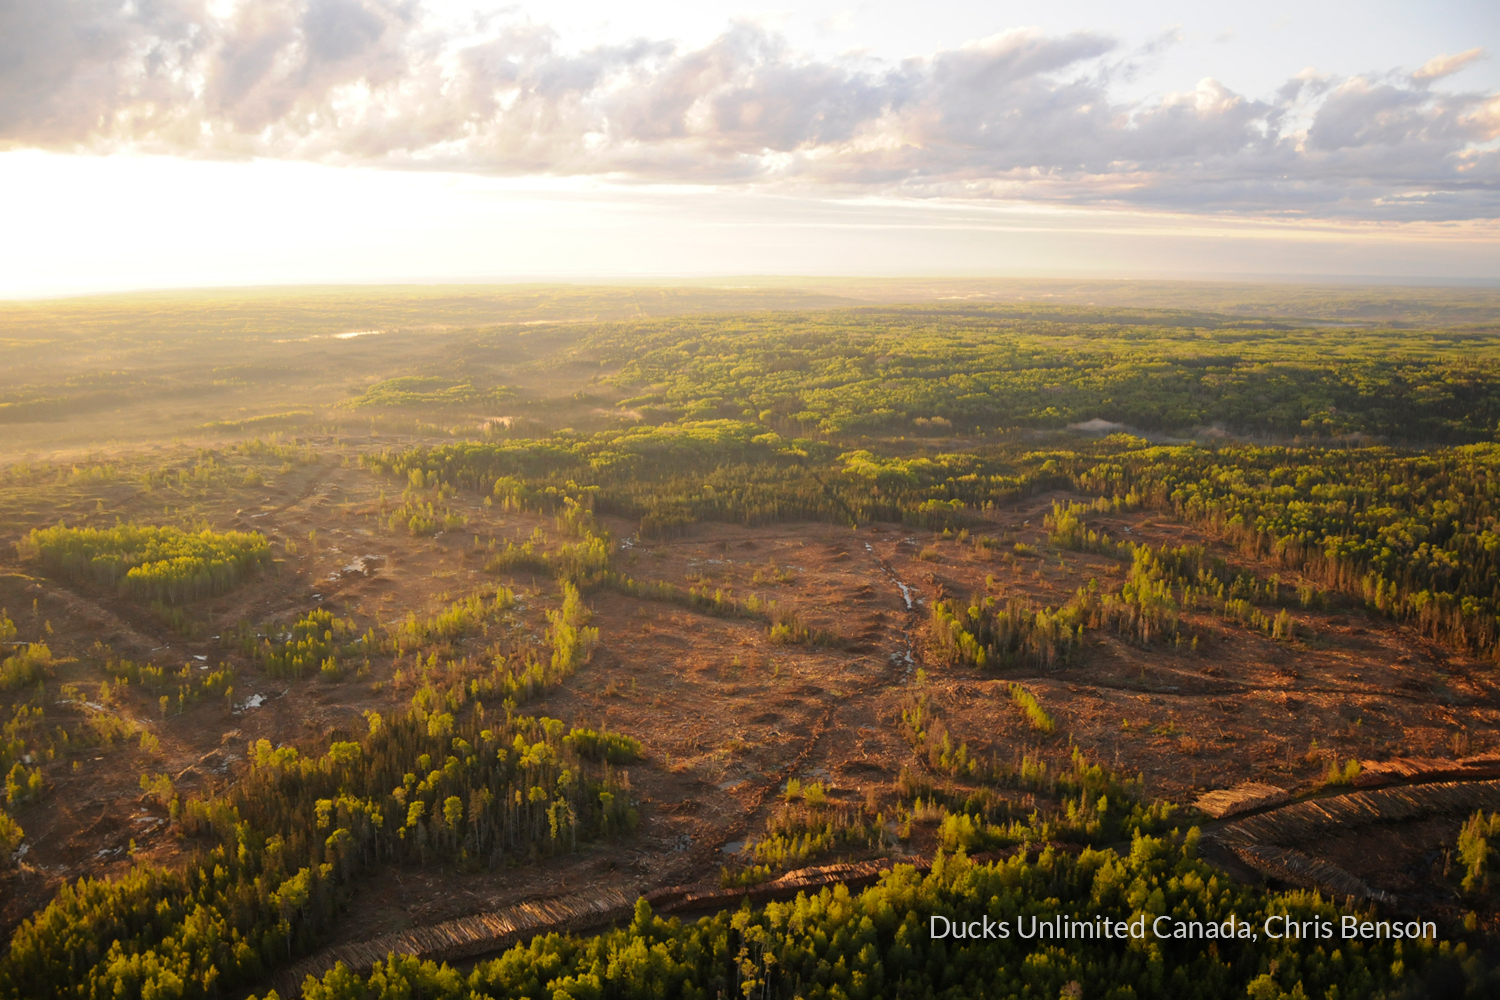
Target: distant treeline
(936,370)
(427,391)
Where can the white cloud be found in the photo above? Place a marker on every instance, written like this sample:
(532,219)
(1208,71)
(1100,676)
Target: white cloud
(1018,115)
(1440,66)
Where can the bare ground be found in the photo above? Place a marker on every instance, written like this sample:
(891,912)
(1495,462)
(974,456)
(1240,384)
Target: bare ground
(725,715)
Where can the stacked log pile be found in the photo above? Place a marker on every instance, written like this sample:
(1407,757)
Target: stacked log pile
(1263,841)
(486,933)
(1307,821)
(1299,869)
(467,937)
(1241,799)
(1374,774)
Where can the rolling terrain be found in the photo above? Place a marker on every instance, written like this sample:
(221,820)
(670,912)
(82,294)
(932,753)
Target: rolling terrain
(463,602)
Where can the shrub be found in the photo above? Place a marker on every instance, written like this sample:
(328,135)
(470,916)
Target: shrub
(29,666)
(11,836)
(1032,709)
(1474,850)
(616,748)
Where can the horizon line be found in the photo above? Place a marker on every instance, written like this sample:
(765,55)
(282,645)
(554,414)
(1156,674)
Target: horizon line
(681,280)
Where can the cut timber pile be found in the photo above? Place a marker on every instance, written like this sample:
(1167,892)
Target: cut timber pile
(1240,799)
(1409,769)
(690,898)
(1306,821)
(485,933)
(466,937)
(1261,841)
(856,875)
(1299,869)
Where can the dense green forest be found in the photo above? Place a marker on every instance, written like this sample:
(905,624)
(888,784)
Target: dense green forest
(1362,464)
(164,563)
(928,371)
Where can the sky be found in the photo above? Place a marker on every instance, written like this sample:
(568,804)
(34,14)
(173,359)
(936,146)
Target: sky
(175,143)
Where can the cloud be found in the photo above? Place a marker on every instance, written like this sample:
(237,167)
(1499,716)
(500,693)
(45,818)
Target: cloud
(1440,66)
(1019,115)
(70,71)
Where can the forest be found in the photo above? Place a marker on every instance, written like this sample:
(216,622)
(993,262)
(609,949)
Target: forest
(490,609)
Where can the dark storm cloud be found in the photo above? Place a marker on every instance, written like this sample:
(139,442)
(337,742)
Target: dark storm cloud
(1019,115)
